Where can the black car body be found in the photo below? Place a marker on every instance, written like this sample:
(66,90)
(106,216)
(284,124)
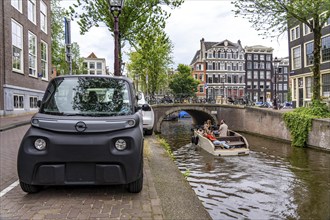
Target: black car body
(88,131)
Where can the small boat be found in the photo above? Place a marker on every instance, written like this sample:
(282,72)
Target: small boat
(232,145)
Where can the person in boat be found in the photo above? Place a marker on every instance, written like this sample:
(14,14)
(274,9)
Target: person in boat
(207,128)
(223,129)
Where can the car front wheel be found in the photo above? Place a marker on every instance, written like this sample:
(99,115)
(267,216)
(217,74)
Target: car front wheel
(29,188)
(136,186)
(148,132)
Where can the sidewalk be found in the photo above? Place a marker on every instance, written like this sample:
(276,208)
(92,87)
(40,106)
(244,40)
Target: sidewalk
(12,121)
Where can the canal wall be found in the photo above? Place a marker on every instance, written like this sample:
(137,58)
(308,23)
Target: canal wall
(270,123)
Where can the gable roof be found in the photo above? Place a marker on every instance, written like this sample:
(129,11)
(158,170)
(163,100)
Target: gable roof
(92,55)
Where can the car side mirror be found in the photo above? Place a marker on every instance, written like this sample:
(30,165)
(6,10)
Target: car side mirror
(39,103)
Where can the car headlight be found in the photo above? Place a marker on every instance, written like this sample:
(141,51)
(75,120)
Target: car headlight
(121,144)
(40,144)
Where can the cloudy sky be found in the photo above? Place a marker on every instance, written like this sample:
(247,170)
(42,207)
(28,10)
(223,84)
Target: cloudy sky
(212,20)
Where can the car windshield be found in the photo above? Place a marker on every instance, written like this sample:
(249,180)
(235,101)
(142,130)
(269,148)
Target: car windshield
(87,96)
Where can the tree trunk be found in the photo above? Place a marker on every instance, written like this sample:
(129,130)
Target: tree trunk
(317,61)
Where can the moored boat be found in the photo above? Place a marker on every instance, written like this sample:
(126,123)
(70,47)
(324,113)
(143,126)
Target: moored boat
(234,144)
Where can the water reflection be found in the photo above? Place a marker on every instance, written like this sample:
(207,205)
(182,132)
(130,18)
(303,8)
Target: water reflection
(275,181)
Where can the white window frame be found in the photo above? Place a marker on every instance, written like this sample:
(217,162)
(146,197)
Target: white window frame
(32,54)
(32,5)
(44,60)
(295,33)
(19,103)
(17,42)
(33,104)
(307,30)
(43,17)
(17,4)
(327,23)
(305,52)
(325,36)
(294,66)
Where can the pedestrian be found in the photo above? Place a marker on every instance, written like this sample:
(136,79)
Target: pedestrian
(223,129)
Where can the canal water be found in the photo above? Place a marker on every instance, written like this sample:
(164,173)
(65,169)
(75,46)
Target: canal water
(275,181)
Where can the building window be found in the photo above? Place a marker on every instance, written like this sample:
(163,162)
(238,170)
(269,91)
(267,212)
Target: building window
(33,102)
(249,85)
(92,72)
(18,102)
(268,85)
(325,48)
(32,55)
(256,65)
(268,66)
(99,72)
(262,75)
(249,65)
(294,33)
(309,48)
(44,60)
(326,85)
(262,57)
(249,57)
(296,58)
(222,55)
(249,74)
(43,17)
(306,29)
(229,55)
(91,65)
(99,65)
(268,58)
(262,65)
(17,4)
(255,75)
(308,81)
(17,45)
(268,75)
(32,10)
(201,89)
(255,56)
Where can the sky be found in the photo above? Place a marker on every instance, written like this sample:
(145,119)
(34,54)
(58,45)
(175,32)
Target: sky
(212,20)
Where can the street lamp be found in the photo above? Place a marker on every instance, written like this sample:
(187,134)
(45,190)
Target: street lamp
(115,9)
(276,64)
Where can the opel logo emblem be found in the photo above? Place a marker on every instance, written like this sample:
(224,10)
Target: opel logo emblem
(80,126)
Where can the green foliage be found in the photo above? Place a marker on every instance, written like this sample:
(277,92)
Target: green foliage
(150,60)
(186,173)
(166,147)
(275,17)
(136,20)
(300,121)
(182,83)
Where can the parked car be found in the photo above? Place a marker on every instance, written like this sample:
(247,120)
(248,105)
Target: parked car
(88,131)
(147,114)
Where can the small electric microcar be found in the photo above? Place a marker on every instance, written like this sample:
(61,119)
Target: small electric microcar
(88,131)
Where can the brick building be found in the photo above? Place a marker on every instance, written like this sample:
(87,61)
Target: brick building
(25,54)
(301,42)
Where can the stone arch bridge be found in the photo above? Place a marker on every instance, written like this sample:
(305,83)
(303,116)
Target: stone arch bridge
(199,112)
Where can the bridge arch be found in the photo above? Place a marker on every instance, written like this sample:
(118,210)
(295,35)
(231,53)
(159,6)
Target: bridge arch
(199,114)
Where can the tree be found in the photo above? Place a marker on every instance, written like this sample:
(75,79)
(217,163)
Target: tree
(273,17)
(183,84)
(57,31)
(58,46)
(136,19)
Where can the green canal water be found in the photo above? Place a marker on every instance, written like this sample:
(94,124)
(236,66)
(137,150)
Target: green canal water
(275,181)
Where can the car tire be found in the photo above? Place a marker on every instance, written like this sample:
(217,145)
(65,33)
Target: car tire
(148,132)
(29,188)
(136,186)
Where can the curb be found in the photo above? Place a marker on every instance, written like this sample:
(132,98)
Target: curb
(15,125)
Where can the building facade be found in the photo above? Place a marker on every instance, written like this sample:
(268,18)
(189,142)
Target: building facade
(94,66)
(301,43)
(259,73)
(283,92)
(25,54)
(220,68)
